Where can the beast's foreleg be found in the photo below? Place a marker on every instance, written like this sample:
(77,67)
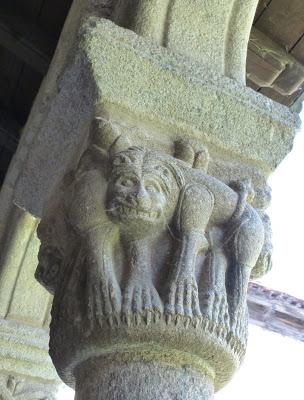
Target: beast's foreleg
(244,246)
(194,211)
(140,297)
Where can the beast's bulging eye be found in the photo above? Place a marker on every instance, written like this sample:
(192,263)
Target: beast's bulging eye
(152,187)
(126,182)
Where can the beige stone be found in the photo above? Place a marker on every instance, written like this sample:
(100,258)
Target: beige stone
(147,159)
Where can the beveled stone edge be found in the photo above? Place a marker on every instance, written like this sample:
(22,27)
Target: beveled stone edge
(182,66)
(109,50)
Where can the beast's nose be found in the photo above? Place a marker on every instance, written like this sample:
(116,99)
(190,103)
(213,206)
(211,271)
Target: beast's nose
(142,198)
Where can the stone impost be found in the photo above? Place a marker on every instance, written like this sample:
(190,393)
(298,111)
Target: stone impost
(147,160)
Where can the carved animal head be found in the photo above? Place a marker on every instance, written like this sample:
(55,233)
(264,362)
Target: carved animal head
(51,251)
(143,189)
(47,272)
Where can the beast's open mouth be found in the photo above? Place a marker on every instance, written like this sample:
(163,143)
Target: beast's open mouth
(126,212)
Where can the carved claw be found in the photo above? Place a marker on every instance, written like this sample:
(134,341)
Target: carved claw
(215,307)
(142,300)
(183,298)
(103,300)
(239,324)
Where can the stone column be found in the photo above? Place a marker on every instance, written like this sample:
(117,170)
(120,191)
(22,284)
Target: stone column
(148,167)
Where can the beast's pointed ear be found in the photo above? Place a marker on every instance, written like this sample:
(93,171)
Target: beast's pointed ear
(245,188)
(103,133)
(120,144)
(184,151)
(107,135)
(202,159)
(194,155)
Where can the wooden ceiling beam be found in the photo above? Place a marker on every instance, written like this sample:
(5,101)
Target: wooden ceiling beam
(28,43)
(276,311)
(9,131)
(270,66)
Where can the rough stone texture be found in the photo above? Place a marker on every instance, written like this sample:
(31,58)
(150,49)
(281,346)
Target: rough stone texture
(148,167)
(23,352)
(131,381)
(184,98)
(146,18)
(148,253)
(166,97)
(211,33)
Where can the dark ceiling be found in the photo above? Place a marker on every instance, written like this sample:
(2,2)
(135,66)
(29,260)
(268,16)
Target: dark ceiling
(282,23)
(29,31)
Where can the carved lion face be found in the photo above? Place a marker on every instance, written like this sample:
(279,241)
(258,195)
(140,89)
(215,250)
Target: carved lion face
(142,190)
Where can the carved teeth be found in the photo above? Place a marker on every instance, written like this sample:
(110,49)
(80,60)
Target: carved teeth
(135,213)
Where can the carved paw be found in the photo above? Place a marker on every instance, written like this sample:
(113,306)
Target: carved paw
(215,307)
(141,299)
(239,322)
(103,297)
(183,298)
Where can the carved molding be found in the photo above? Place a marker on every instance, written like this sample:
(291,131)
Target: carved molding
(17,388)
(24,352)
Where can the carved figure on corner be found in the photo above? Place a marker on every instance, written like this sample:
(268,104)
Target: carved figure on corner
(120,199)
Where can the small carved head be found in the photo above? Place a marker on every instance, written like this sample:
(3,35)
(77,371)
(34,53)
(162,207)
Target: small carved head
(49,257)
(47,272)
(143,190)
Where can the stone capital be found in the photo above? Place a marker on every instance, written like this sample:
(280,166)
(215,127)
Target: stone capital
(149,258)
(146,159)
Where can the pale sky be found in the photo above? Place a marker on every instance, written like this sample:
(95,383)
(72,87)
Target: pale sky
(287,218)
(273,367)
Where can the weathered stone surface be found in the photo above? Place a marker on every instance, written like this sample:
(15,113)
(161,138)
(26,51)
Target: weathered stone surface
(148,166)
(166,95)
(212,33)
(141,380)
(149,254)
(23,352)
(184,98)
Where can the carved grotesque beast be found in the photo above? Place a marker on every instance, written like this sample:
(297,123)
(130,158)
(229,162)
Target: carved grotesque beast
(128,199)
